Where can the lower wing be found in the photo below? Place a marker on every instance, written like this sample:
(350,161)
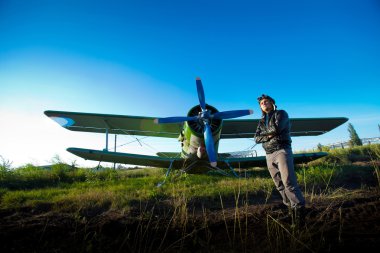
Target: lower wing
(260,161)
(177,162)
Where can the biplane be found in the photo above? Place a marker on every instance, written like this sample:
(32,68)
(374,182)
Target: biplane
(199,134)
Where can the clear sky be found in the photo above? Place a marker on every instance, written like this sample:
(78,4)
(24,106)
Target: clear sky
(316,58)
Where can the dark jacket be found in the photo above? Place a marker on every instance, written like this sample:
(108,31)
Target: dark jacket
(278,127)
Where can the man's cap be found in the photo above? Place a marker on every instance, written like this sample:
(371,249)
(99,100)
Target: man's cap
(263,96)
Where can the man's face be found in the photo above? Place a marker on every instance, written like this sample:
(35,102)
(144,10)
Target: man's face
(266,105)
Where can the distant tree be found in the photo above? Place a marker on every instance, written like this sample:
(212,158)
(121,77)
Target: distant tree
(354,137)
(378,125)
(319,147)
(5,164)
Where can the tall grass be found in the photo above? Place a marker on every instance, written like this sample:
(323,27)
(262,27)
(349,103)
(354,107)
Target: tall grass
(347,156)
(87,193)
(64,183)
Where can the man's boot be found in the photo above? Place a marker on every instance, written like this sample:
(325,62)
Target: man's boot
(285,214)
(298,216)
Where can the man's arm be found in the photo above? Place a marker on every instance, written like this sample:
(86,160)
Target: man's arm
(259,138)
(280,123)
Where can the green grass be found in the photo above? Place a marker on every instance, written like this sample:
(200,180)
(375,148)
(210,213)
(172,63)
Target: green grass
(346,156)
(159,213)
(66,188)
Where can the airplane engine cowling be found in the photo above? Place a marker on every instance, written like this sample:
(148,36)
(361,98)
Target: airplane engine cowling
(197,126)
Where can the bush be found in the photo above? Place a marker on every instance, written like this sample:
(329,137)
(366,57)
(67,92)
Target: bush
(346,156)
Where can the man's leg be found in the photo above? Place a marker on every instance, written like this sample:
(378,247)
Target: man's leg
(276,176)
(292,191)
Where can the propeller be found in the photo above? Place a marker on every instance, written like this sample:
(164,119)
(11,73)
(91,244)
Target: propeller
(204,118)
(201,93)
(209,142)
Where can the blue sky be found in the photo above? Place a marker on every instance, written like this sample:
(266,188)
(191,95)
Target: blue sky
(316,58)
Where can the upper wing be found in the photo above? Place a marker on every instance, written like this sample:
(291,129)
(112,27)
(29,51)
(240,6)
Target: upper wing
(116,124)
(246,128)
(145,126)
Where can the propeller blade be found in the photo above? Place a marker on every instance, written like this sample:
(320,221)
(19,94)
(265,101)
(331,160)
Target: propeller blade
(174,119)
(201,94)
(209,142)
(231,114)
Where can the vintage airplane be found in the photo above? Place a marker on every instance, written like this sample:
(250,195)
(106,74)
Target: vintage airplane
(199,133)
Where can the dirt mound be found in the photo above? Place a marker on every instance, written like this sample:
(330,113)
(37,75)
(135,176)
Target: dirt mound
(331,225)
(375,164)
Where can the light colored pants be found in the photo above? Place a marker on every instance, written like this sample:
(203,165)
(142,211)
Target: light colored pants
(281,168)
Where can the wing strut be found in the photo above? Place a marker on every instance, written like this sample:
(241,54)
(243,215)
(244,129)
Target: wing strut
(106,148)
(167,174)
(232,169)
(107,132)
(114,164)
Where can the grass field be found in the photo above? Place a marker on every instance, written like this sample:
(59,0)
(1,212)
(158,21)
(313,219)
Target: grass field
(69,209)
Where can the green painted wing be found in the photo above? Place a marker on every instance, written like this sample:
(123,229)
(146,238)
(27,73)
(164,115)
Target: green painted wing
(126,158)
(260,161)
(169,154)
(177,162)
(145,126)
(116,124)
(246,128)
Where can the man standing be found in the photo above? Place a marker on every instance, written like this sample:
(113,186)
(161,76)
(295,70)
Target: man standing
(273,131)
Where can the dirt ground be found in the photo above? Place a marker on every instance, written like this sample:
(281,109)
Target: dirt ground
(331,225)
